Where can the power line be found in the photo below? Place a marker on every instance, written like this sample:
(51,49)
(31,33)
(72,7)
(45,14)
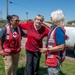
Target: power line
(24,7)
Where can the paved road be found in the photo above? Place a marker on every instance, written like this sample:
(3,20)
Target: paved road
(23,42)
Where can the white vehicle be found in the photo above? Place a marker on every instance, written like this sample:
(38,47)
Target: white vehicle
(70,31)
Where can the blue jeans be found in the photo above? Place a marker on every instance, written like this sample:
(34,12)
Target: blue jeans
(53,70)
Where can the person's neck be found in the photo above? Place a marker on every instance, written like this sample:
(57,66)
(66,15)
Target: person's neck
(37,27)
(13,26)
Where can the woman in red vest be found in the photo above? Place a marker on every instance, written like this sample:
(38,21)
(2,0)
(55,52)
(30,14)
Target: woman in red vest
(55,51)
(10,44)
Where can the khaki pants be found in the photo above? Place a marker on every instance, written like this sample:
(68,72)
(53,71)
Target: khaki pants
(11,64)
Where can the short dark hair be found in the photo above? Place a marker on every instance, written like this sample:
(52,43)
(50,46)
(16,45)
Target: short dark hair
(10,17)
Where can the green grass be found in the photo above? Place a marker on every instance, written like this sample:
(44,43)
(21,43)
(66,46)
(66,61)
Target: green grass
(2,25)
(67,68)
(1,66)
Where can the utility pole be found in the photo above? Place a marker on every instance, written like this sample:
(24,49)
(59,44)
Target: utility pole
(27,15)
(6,8)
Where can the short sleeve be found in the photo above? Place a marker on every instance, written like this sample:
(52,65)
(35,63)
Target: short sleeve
(25,26)
(2,32)
(60,36)
(22,32)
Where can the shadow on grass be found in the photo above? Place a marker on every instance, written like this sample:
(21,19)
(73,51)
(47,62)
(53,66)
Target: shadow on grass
(20,71)
(61,73)
(42,71)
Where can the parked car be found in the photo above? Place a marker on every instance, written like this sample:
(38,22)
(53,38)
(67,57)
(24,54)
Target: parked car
(70,31)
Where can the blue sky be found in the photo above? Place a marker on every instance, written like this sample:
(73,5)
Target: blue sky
(34,7)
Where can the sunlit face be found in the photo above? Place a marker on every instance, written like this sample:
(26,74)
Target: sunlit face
(38,21)
(54,22)
(15,21)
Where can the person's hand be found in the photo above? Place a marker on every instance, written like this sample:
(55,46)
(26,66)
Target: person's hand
(43,50)
(66,37)
(1,52)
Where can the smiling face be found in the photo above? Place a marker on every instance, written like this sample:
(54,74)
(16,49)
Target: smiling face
(38,20)
(14,21)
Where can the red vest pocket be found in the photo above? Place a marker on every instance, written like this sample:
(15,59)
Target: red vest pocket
(51,60)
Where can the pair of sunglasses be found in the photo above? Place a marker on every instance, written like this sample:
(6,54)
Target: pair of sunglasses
(16,20)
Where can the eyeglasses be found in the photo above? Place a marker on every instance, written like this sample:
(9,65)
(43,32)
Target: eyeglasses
(16,20)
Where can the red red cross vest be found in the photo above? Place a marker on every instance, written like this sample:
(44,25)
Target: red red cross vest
(51,57)
(12,46)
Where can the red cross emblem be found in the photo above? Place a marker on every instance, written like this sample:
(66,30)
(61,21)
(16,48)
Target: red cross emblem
(15,34)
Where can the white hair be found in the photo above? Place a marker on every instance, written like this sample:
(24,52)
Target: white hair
(58,17)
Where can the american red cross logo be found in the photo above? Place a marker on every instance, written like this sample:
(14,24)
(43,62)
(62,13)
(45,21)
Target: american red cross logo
(15,34)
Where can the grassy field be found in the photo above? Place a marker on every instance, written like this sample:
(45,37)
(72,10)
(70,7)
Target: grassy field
(1,24)
(67,68)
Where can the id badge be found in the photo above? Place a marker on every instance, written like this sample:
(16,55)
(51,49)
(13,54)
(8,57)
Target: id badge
(50,56)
